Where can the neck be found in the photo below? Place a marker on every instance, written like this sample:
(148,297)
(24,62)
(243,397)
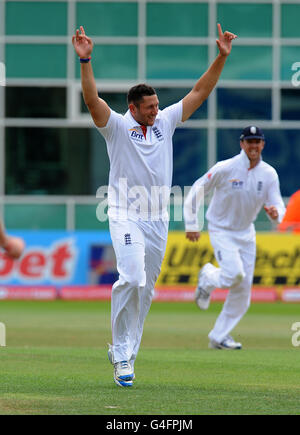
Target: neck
(253,163)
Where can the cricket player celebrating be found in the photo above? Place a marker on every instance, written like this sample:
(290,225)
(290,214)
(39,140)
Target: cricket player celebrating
(139,146)
(241,186)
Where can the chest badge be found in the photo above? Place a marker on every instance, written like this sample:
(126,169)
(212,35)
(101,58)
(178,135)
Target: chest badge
(259,186)
(236,184)
(158,133)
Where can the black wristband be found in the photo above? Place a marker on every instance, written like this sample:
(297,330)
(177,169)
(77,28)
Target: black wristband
(85,60)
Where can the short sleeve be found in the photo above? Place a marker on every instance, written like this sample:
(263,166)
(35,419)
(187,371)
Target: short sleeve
(114,122)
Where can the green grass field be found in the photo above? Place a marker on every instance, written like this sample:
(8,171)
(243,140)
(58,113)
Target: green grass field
(55,362)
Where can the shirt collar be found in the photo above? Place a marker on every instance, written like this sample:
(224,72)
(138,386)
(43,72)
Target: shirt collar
(131,120)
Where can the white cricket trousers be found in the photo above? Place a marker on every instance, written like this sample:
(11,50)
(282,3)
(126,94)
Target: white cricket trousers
(139,247)
(235,252)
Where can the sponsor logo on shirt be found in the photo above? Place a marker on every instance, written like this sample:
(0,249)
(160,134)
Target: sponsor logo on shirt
(236,184)
(136,134)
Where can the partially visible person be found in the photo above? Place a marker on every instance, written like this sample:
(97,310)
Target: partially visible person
(13,246)
(291,219)
(241,186)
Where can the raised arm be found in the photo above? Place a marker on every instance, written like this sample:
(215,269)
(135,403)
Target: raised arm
(98,108)
(209,79)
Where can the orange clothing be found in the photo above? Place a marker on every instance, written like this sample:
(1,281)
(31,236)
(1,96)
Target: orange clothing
(291,220)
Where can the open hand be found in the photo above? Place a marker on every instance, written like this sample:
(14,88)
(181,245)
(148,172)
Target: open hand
(83,44)
(224,41)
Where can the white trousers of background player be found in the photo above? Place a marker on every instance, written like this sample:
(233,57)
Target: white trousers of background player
(139,248)
(235,252)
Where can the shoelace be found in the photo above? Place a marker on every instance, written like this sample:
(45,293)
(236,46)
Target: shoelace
(124,364)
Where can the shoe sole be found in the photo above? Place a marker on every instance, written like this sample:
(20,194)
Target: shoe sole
(219,347)
(124,381)
(123,384)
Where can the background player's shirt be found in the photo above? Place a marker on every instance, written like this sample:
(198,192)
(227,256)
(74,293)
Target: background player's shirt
(239,193)
(140,167)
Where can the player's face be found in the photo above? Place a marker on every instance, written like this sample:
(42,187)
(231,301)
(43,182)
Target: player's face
(147,110)
(253,149)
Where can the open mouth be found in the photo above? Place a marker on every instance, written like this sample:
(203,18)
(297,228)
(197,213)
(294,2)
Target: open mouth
(253,152)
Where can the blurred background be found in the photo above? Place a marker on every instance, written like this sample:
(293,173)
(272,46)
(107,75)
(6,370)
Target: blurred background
(53,159)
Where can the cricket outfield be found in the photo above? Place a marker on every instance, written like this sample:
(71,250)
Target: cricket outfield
(55,362)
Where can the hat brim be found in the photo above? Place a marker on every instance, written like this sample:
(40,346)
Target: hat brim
(253,137)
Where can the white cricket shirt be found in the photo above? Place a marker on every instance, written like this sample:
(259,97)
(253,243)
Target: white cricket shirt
(140,168)
(239,193)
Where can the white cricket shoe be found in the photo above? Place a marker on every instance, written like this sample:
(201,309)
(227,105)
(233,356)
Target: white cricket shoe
(123,374)
(202,297)
(118,369)
(228,343)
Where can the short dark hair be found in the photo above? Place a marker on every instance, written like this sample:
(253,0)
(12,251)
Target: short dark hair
(136,93)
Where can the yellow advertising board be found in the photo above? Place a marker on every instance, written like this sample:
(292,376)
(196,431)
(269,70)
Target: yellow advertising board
(277,260)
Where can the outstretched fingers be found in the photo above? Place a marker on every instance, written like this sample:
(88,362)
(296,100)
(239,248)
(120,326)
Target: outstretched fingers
(76,36)
(220,30)
(79,35)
